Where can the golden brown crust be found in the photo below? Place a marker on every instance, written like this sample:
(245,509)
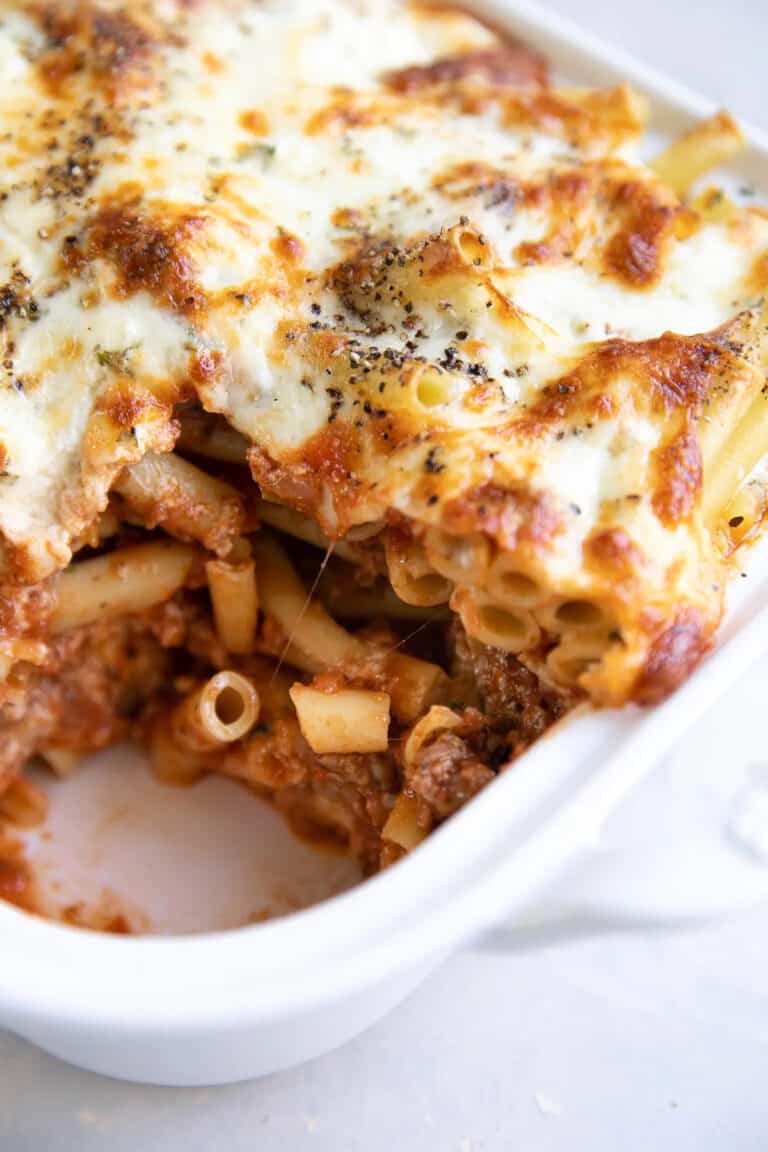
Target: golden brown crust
(649,222)
(112,49)
(679,474)
(513,518)
(564,196)
(125,407)
(325,462)
(670,373)
(511,64)
(457,341)
(613,552)
(146,248)
(672,657)
(608,114)
(478,178)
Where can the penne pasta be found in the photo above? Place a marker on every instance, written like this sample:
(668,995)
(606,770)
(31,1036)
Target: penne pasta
(473,249)
(294,524)
(413,685)
(348,720)
(222,710)
(23,804)
(268,644)
(714,206)
(171,762)
(743,449)
(511,587)
(106,526)
(745,513)
(623,104)
(127,580)
(368,476)
(512,630)
(61,761)
(203,434)
(575,655)
(437,719)
(411,575)
(345,598)
(404,825)
(316,640)
(189,503)
(235,601)
(706,146)
(572,615)
(431,387)
(726,408)
(463,559)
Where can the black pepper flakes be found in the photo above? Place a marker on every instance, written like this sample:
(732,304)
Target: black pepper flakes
(432,464)
(16,300)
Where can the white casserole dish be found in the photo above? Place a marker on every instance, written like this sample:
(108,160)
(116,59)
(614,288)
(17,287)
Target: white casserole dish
(223,1006)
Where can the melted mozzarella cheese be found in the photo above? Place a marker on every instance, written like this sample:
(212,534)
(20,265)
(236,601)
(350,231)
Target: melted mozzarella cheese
(258,156)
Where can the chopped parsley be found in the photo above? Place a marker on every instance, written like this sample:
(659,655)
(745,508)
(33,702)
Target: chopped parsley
(116,359)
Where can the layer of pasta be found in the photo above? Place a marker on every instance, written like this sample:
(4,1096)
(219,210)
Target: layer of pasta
(364,399)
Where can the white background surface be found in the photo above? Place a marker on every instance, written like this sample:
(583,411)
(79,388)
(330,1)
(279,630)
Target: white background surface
(628,1044)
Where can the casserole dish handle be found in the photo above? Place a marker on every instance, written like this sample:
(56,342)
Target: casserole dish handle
(690,845)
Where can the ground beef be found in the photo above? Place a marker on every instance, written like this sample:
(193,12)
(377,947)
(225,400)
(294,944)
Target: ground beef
(326,810)
(513,709)
(342,799)
(97,682)
(447,773)
(510,695)
(90,688)
(506,686)
(25,611)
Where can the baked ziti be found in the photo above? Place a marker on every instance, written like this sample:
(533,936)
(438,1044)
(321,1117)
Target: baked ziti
(365,401)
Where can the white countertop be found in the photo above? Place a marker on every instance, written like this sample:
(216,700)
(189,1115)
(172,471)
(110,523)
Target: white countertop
(632,1043)
(626,1045)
